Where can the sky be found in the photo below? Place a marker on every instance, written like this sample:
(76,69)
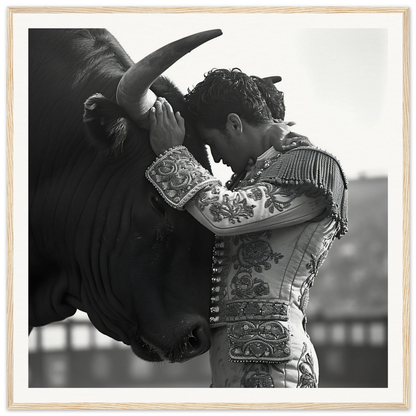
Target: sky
(334,79)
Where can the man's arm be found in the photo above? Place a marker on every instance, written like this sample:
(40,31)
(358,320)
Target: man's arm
(185,184)
(260,207)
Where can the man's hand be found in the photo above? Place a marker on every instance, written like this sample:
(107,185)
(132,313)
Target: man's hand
(283,140)
(293,140)
(166,128)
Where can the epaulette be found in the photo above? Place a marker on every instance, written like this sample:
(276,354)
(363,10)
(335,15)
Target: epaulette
(319,170)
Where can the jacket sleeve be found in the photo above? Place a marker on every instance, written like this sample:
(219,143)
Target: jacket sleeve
(183,183)
(256,208)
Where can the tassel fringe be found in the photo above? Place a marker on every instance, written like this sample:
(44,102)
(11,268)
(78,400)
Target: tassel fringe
(315,167)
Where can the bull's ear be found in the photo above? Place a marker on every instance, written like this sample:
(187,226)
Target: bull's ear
(106,123)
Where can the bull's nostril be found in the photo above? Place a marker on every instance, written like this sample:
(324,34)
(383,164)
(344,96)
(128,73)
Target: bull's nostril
(193,340)
(197,342)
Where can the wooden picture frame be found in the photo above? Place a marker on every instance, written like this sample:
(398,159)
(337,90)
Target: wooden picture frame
(394,396)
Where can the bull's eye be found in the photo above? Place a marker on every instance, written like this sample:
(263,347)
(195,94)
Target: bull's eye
(157,203)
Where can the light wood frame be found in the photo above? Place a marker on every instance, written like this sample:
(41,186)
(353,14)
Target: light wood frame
(406,10)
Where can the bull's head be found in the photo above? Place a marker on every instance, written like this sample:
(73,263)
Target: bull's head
(159,259)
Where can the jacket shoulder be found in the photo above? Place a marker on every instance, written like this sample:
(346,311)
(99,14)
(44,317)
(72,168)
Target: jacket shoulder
(318,173)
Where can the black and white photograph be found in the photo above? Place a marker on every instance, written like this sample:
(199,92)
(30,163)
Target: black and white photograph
(208,199)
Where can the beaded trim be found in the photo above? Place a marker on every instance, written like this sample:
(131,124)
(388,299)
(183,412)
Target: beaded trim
(237,310)
(220,267)
(253,178)
(178,177)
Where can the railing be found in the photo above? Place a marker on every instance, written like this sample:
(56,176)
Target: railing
(72,353)
(352,352)
(353,332)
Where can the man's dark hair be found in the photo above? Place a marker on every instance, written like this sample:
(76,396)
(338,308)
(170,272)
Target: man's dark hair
(273,97)
(226,91)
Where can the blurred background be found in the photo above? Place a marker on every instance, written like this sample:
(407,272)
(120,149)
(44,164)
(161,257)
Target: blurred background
(338,89)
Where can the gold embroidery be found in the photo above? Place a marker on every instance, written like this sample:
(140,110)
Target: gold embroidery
(177,176)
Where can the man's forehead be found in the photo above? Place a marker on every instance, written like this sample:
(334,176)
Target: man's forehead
(207,135)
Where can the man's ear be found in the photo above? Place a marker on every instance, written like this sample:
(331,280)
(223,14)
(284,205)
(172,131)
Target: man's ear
(234,123)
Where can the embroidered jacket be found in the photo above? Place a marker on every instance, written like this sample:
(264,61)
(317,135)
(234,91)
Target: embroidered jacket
(273,233)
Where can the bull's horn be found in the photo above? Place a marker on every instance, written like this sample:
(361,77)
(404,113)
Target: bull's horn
(133,92)
(273,80)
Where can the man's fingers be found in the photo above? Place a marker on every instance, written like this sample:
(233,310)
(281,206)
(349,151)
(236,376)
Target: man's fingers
(159,112)
(180,120)
(289,140)
(289,146)
(169,111)
(152,117)
(163,117)
(291,135)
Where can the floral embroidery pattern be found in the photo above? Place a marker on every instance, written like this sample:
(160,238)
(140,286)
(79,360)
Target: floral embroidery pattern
(232,209)
(271,195)
(203,200)
(315,263)
(272,202)
(255,327)
(304,300)
(328,240)
(256,254)
(177,176)
(313,267)
(256,194)
(306,373)
(259,341)
(236,207)
(258,328)
(253,254)
(244,286)
(259,375)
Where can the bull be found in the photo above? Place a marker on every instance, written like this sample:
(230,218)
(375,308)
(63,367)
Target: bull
(100,238)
